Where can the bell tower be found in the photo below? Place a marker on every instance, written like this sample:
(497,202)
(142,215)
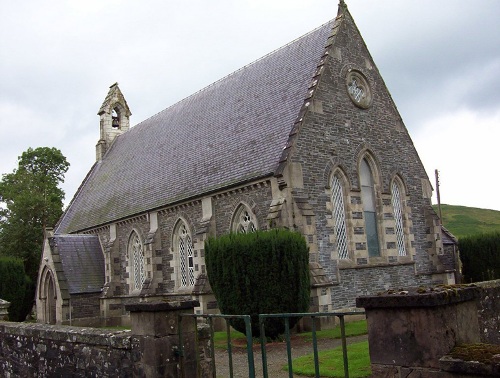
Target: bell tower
(114,119)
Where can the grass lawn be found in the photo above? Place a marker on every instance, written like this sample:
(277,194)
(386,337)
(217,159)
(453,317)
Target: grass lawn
(332,362)
(351,329)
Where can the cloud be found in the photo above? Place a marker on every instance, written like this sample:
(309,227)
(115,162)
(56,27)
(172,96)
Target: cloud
(460,146)
(59,57)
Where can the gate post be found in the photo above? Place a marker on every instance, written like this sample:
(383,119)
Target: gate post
(4,307)
(410,330)
(155,338)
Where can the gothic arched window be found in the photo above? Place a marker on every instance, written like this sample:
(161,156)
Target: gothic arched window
(136,252)
(244,220)
(115,118)
(369,208)
(185,251)
(338,214)
(397,205)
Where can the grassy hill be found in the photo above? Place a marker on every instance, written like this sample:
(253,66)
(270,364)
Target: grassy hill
(464,221)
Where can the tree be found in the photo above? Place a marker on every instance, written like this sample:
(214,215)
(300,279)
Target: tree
(480,255)
(32,201)
(262,272)
(15,285)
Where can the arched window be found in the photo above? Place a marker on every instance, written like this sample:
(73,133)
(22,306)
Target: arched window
(115,118)
(338,214)
(397,205)
(136,253)
(48,294)
(244,220)
(369,208)
(185,251)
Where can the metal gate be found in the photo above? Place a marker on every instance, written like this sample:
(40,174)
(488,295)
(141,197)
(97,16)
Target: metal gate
(250,352)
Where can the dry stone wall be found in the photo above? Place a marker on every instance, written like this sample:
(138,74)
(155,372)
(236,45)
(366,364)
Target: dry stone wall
(34,350)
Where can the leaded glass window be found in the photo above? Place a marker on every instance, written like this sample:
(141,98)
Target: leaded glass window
(338,214)
(369,208)
(397,205)
(244,221)
(138,266)
(186,256)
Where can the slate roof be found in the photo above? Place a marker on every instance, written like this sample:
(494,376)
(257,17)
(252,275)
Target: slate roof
(231,132)
(447,237)
(82,260)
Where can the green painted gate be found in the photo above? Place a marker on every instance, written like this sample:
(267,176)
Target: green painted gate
(250,341)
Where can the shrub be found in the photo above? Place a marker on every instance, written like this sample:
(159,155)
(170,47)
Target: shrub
(16,287)
(259,273)
(480,255)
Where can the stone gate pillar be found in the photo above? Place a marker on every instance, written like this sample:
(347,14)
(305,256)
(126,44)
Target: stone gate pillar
(155,339)
(412,329)
(4,307)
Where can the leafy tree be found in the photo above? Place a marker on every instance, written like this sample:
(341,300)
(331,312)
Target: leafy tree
(263,272)
(32,201)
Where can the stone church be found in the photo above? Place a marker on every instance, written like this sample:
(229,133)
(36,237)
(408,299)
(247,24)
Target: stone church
(306,138)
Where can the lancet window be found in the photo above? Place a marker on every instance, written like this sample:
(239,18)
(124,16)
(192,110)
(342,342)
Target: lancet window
(397,205)
(185,252)
(138,265)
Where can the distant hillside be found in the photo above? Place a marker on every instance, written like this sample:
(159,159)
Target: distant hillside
(463,221)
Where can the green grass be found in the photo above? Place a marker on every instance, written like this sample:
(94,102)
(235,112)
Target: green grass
(351,329)
(331,362)
(466,221)
(220,338)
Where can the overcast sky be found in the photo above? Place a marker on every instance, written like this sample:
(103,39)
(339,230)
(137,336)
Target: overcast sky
(440,61)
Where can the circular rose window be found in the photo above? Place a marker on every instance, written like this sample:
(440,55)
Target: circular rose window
(358,89)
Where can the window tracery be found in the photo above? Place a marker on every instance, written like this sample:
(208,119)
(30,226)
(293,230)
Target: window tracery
(338,214)
(397,204)
(185,252)
(138,265)
(244,220)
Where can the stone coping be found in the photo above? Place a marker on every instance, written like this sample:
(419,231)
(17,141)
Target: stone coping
(161,306)
(473,368)
(70,334)
(420,297)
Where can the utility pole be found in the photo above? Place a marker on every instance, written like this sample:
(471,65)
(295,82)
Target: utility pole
(438,197)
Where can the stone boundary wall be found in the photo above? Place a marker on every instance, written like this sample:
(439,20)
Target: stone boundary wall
(489,311)
(150,349)
(36,350)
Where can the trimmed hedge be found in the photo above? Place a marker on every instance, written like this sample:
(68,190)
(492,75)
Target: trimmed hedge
(16,287)
(480,255)
(262,272)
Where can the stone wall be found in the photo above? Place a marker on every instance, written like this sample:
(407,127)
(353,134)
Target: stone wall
(31,350)
(334,136)
(151,349)
(489,311)
(85,305)
(411,332)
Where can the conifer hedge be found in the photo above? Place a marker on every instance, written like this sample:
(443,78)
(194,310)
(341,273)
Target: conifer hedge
(480,255)
(15,287)
(259,273)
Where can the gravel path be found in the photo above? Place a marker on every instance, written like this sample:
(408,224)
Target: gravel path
(276,357)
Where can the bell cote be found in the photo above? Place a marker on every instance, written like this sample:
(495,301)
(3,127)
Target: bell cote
(114,119)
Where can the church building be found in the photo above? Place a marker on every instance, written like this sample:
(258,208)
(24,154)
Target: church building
(306,138)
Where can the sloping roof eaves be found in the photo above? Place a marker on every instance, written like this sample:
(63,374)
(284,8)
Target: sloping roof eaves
(230,132)
(83,262)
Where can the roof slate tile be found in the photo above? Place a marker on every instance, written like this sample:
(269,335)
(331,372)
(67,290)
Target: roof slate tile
(232,131)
